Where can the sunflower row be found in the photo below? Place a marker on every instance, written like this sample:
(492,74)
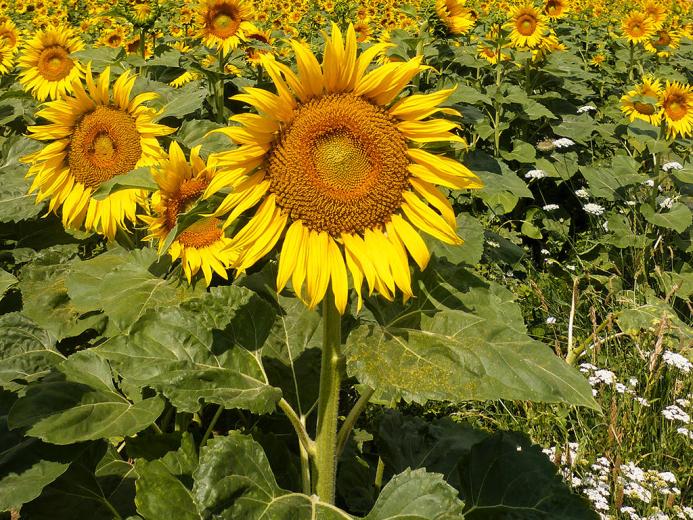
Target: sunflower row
(333,163)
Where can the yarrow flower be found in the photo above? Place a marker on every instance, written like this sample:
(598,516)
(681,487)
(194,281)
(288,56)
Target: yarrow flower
(666,203)
(535,174)
(674,413)
(551,320)
(586,108)
(685,432)
(582,193)
(593,209)
(672,166)
(551,207)
(563,142)
(677,361)
(649,182)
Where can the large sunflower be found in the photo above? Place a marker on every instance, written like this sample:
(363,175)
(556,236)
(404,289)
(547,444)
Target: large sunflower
(94,136)
(47,70)
(638,27)
(455,16)
(222,23)
(526,25)
(643,101)
(677,105)
(181,183)
(335,160)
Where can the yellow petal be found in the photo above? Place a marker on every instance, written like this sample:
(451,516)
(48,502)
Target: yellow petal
(340,283)
(412,240)
(293,243)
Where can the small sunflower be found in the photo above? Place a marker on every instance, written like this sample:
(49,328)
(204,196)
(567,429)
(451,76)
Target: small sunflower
(363,31)
(527,26)
(258,42)
(9,35)
(181,183)
(656,12)
(455,16)
(677,105)
(6,60)
(643,101)
(94,136)
(335,162)
(638,27)
(222,23)
(113,37)
(46,68)
(556,8)
(663,42)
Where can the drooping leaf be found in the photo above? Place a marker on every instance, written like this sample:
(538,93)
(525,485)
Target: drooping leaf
(506,476)
(64,412)
(139,178)
(679,217)
(206,349)
(27,352)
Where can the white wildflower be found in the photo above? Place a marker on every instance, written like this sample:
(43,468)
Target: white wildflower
(642,401)
(582,193)
(667,203)
(603,376)
(586,108)
(545,252)
(633,381)
(667,476)
(683,403)
(593,209)
(673,165)
(649,182)
(630,511)
(674,413)
(563,142)
(677,361)
(587,367)
(550,320)
(685,432)
(622,389)
(535,174)
(551,207)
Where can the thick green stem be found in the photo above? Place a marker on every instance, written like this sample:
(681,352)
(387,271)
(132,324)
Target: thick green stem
(219,89)
(211,426)
(328,402)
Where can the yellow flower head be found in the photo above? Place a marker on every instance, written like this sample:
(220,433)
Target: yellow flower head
(9,35)
(94,136)
(638,27)
(643,101)
(556,8)
(455,16)
(677,105)
(222,23)
(6,59)
(335,161)
(46,68)
(526,25)
(181,183)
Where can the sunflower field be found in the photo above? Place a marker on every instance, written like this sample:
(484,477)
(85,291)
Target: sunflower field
(346,259)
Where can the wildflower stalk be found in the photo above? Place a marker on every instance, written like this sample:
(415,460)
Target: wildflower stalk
(328,402)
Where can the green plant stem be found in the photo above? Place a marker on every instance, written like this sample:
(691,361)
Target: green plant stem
(219,88)
(303,437)
(211,426)
(305,466)
(143,46)
(328,402)
(574,353)
(350,421)
(630,61)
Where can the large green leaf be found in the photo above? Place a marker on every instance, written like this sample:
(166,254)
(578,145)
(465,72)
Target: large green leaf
(124,286)
(502,187)
(417,495)
(7,280)
(507,477)
(60,411)
(164,485)
(27,352)
(457,346)
(678,218)
(15,202)
(472,232)
(206,349)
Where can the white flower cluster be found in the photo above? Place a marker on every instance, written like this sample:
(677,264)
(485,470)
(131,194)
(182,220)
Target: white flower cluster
(649,182)
(586,108)
(677,361)
(672,166)
(535,174)
(685,432)
(593,209)
(551,207)
(596,484)
(563,142)
(551,320)
(582,193)
(674,413)
(604,376)
(667,203)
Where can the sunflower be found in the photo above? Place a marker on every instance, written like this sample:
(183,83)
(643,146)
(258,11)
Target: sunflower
(95,135)
(454,15)
(555,8)
(677,105)
(222,23)
(638,27)
(258,42)
(114,37)
(9,35)
(336,160)
(643,101)
(363,31)
(46,68)
(663,42)
(181,183)
(656,12)
(6,59)
(527,26)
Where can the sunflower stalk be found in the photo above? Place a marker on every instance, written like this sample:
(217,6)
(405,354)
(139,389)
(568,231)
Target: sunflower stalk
(328,402)
(219,88)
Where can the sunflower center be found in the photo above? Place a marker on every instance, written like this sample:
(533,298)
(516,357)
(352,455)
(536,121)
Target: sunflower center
(636,30)
(105,143)
(54,63)
(676,107)
(224,21)
(188,192)
(8,37)
(526,25)
(340,165)
(202,233)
